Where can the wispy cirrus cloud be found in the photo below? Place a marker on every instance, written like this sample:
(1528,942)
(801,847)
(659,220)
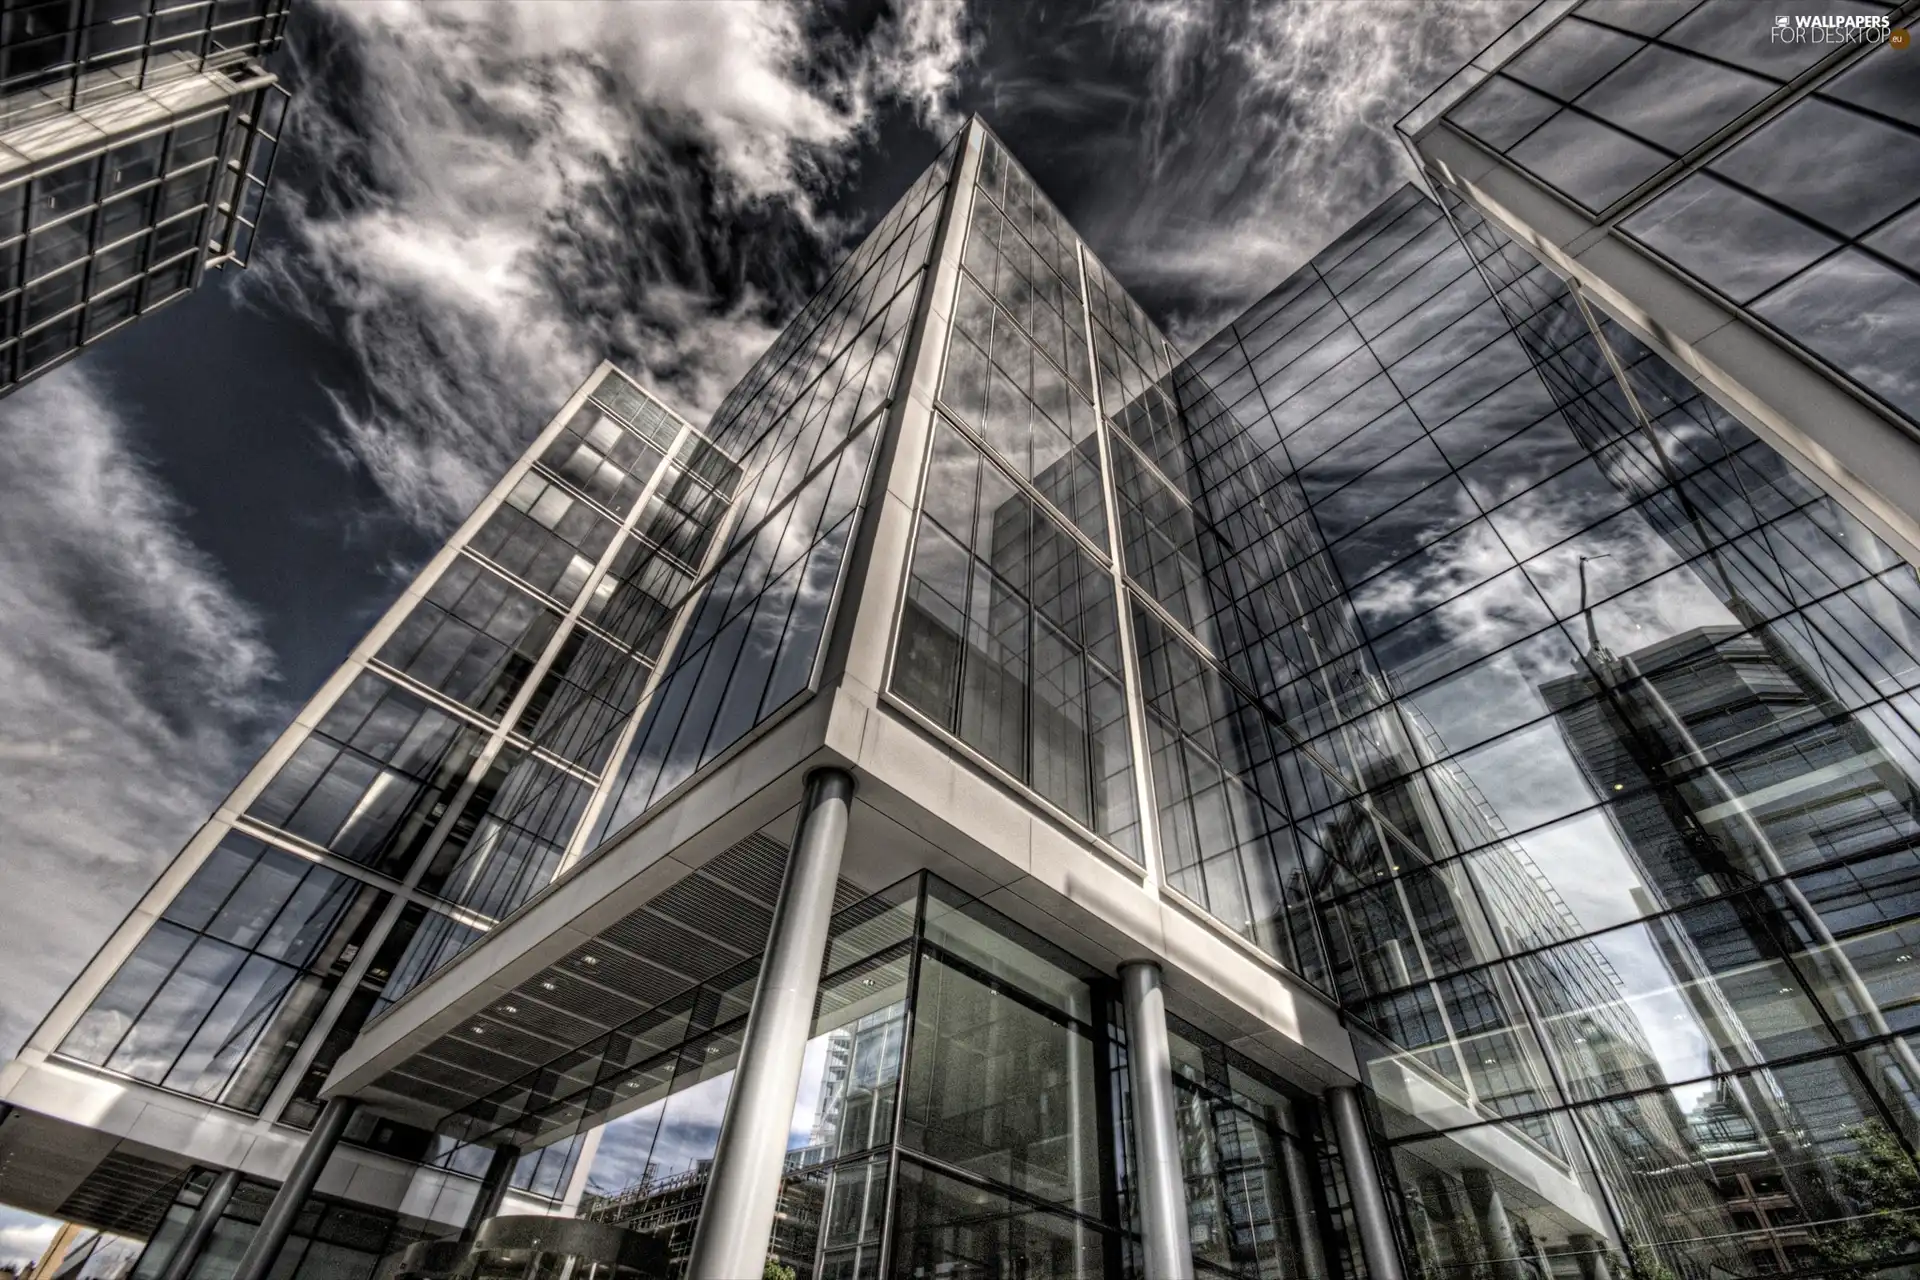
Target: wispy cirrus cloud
(1268,130)
(132,682)
(485,198)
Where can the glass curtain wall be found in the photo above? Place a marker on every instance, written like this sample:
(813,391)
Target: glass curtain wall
(1682,125)
(1616,877)
(804,422)
(333,1238)
(440,788)
(88,244)
(58,56)
(1265,1188)
(1010,640)
(960,1106)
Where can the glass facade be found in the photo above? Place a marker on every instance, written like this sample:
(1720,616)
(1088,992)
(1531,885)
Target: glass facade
(958,1108)
(1685,125)
(136,143)
(90,244)
(444,783)
(335,1238)
(58,56)
(219,993)
(1505,687)
(804,423)
(1010,640)
(1423,635)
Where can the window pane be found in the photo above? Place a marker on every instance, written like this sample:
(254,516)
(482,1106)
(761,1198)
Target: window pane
(1842,168)
(944,1226)
(1672,99)
(99,1030)
(1001,1089)
(1862,315)
(1591,162)
(1728,239)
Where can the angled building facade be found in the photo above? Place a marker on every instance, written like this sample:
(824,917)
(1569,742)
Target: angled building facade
(1420,786)
(137,139)
(452,766)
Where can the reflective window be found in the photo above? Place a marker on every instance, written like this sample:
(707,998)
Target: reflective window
(944,1222)
(220,992)
(1243,1207)
(475,637)
(1595,751)
(1224,837)
(803,424)
(106,208)
(751,642)
(420,943)
(598,457)
(635,600)
(590,690)
(337,1238)
(1009,641)
(546,536)
(1021,404)
(1820,203)
(355,784)
(509,839)
(1002,1090)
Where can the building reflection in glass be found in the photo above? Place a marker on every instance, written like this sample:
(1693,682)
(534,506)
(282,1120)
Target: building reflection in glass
(1594,727)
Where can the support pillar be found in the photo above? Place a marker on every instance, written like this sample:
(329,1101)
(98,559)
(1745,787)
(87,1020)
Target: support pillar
(1306,1221)
(1363,1186)
(1161,1184)
(1496,1231)
(200,1227)
(1590,1255)
(274,1229)
(743,1190)
(493,1190)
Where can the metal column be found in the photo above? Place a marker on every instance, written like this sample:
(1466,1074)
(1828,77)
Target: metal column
(493,1190)
(200,1227)
(736,1218)
(1363,1186)
(1161,1185)
(1306,1222)
(1496,1231)
(1590,1255)
(274,1229)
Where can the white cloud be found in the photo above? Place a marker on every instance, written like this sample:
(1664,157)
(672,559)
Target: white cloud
(510,191)
(23,1237)
(917,58)
(1270,131)
(131,681)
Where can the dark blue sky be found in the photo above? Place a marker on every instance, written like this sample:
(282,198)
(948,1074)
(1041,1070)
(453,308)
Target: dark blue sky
(473,206)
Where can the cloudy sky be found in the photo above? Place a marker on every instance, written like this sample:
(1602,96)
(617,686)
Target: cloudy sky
(480,199)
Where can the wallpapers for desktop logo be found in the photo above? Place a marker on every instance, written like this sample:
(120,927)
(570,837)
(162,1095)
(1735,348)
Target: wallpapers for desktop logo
(1837,28)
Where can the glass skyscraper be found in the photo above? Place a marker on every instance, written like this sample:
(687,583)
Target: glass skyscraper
(1423,785)
(137,138)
